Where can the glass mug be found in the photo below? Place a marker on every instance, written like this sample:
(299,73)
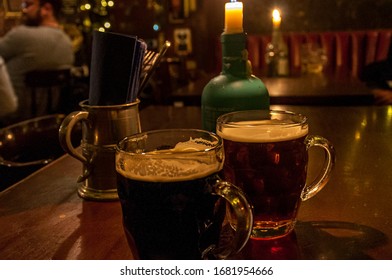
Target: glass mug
(266,154)
(170,192)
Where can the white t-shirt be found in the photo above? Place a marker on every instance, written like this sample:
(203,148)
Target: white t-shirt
(8,99)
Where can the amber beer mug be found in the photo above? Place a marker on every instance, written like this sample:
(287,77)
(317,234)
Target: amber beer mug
(266,154)
(170,193)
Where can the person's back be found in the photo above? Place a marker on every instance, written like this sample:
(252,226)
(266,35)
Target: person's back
(39,44)
(28,48)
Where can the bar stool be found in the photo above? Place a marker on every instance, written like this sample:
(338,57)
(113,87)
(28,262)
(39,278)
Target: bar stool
(48,81)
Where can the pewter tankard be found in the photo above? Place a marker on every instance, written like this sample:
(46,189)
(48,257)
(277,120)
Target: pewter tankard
(102,128)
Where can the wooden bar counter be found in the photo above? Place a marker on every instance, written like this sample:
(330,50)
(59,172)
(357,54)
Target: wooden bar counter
(307,89)
(42,216)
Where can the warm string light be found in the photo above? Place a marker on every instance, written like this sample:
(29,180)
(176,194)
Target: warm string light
(100,8)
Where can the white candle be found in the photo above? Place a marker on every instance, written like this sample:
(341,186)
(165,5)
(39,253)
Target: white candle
(233,17)
(276,19)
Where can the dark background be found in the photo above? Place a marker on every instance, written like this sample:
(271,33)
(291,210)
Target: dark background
(136,17)
(206,23)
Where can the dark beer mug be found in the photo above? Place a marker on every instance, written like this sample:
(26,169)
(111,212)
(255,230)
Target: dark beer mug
(266,154)
(171,196)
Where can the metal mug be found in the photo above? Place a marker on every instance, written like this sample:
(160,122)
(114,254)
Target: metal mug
(102,128)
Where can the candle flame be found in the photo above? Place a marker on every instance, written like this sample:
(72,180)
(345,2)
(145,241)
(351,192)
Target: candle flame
(276,14)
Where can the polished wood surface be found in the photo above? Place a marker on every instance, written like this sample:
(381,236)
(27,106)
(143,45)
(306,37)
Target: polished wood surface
(42,216)
(318,89)
(307,89)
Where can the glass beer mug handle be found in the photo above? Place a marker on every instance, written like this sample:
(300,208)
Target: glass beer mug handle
(321,180)
(244,214)
(65,133)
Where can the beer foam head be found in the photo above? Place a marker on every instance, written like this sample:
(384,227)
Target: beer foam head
(262,131)
(191,145)
(188,160)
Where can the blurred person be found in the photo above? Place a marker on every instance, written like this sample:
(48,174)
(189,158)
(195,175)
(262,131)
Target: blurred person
(8,99)
(378,76)
(38,44)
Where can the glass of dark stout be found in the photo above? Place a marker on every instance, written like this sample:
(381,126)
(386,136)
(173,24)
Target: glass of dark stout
(266,154)
(172,198)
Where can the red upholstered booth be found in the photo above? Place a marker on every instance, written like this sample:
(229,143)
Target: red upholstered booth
(347,51)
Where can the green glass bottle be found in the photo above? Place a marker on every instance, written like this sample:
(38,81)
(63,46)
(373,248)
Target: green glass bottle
(236,88)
